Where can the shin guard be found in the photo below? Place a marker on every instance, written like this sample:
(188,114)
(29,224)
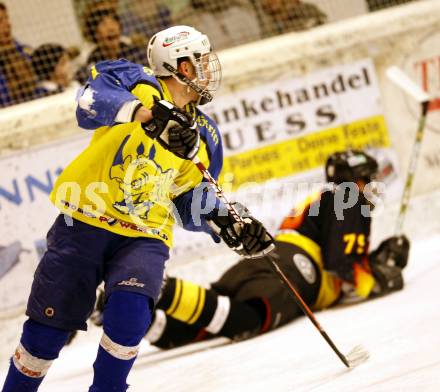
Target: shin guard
(39,346)
(127,316)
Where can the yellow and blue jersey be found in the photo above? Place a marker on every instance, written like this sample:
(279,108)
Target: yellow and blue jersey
(124,181)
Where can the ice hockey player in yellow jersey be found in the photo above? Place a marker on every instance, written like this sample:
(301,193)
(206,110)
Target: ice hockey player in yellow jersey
(119,200)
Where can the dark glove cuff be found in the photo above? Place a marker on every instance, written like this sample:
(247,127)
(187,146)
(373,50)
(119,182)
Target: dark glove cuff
(137,107)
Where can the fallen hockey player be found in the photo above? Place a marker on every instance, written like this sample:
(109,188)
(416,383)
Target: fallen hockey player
(326,258)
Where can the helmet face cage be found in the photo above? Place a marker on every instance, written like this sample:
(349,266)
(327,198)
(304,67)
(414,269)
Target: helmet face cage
(180,42)
(208,75)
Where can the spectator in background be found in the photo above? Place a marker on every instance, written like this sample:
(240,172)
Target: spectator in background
(284,16)
(138,17)
(52,65)
(374,5)
(102,26)
(176,6)
(229,22)
(17,79)
(145,17)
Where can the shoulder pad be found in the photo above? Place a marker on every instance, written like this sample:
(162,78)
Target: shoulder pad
(129,74)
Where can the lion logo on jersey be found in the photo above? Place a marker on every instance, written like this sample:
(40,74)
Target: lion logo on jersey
(142,182)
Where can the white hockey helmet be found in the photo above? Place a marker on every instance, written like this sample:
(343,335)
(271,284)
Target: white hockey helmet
(169,45)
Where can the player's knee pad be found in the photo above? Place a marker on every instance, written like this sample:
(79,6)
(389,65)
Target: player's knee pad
(39,346)
(127,316)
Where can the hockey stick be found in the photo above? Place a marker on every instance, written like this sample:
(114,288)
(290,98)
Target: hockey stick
(356,356)
(398,77)
(219,192)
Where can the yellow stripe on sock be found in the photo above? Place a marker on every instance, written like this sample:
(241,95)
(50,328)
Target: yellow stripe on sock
(188,304)
(176,298)
(200,306)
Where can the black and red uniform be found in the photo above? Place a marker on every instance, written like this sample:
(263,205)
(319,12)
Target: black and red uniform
(319,254)
(323,250)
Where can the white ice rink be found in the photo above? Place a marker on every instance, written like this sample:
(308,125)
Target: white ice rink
(401,332)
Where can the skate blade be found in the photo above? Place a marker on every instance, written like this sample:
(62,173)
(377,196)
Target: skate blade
(357,356)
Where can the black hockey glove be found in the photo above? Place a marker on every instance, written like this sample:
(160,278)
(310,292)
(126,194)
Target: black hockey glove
(388,279)
(174,128)
(393,251)
(250,240)
(184,142)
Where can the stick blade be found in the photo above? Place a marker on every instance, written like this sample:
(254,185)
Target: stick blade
(401,79)
(357,356)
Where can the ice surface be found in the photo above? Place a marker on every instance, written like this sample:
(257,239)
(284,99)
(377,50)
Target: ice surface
(401,333)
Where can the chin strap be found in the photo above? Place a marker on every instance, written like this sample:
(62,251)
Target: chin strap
(204,95)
